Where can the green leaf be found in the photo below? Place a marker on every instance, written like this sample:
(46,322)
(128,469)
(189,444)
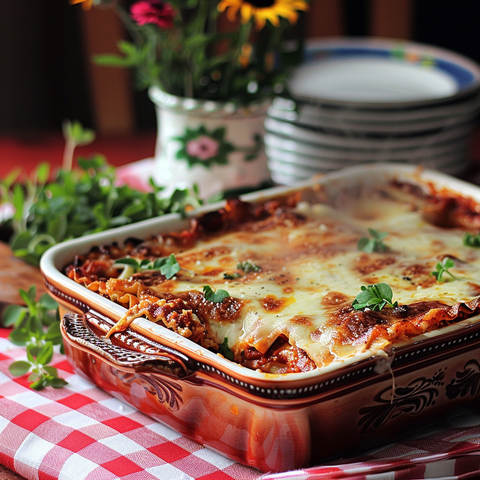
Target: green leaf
(40,384)
(18,202)
(212,296)
(231,276)
(57,228)
(471,240)
(19,368)
(74,131)
(374,297)
(19,336)
(170,267)
(127,261)
(42,172)
(32,352)
(13,315)
(248,267)
(443,268)
(374,244)
(52,371)
(48,302)
(45,354)
(53,334)
(57,382)
(34,376)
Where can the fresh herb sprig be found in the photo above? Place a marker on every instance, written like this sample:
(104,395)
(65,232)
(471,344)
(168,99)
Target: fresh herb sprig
(78,202)
(248,266)
(231,276)
(168,266)
(375,297)
(471,240)
(37,327)
(374,244)
(442,268)
(214,296)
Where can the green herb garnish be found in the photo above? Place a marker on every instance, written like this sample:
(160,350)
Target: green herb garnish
(471,240)
(37,327)
(168,266)
(443,267)
(225,350)
(248,266)
(79,202)
(214,296)
(374,297)
(374,244)
(231,276)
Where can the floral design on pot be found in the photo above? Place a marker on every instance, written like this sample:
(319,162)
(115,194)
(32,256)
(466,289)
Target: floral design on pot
(203,147)
(208,147)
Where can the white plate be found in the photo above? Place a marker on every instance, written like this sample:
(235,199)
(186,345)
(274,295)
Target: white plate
(382,73)
(324,162)
(466,106)
(336,121)
(314,152)
(314,137)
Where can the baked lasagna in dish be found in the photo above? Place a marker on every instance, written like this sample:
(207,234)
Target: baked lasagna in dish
(305,280)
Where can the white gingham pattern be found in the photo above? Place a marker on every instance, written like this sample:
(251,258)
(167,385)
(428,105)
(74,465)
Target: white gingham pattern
(80,432)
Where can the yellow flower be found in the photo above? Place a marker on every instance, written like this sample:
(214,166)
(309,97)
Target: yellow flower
(86,4)
(263,10)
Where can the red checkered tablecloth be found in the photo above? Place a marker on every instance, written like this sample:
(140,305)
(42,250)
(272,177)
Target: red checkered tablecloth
(80,432)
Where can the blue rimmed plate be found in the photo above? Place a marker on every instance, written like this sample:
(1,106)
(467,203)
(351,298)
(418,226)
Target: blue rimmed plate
(382,73)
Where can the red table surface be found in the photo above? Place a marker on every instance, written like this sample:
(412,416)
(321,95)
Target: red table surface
(29,150)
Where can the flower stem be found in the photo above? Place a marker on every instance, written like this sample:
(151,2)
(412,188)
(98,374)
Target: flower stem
(242,39)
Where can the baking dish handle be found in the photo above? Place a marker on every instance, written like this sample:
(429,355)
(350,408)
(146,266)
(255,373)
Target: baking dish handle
(127,350)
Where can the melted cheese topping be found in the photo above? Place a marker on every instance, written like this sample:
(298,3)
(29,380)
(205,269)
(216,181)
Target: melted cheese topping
(309,272)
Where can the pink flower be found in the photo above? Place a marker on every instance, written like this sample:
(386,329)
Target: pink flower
(153,11)
(202,147)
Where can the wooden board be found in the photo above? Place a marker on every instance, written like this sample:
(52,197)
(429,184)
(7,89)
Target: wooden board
(15,275)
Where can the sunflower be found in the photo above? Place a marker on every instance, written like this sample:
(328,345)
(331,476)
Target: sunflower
(263,10)
(86,4)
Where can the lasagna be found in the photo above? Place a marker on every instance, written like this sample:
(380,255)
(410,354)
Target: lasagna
(292,284)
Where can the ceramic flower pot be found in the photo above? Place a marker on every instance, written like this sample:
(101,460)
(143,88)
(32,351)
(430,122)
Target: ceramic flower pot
(217,146)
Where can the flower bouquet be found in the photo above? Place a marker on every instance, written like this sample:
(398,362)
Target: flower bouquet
(208,49)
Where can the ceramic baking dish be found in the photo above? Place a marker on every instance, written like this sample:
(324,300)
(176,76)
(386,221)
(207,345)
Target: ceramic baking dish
(270,421)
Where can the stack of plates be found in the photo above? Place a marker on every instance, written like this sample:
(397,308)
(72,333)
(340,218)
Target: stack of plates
(362,101)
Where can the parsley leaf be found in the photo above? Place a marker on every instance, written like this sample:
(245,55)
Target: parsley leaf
(471,240)
(442,267)
(374,244)
(37,327)
(374,297)
(168,266)
(212,296)
(248,266)
(231,276)
(225,350)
